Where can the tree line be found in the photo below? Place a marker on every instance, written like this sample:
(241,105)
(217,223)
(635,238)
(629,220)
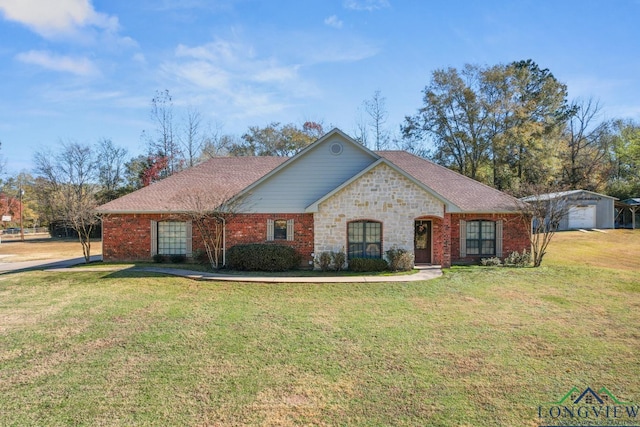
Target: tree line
(509,126)
(512,126)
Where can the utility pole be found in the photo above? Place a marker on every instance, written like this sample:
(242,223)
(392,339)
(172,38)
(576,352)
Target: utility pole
(21,228)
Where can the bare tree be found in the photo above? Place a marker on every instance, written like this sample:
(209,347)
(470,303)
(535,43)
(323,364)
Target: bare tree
(376,109)
(586,147)
(361,134)
(216,144)
(110,161)
(164,143)
(542,210)
(68,183)
(209,212)
(2,162)
(192,140)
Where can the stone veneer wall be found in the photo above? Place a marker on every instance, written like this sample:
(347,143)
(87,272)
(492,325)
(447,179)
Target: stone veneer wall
(381,194)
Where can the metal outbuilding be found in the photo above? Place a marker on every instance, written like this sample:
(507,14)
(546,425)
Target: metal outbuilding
(585,209)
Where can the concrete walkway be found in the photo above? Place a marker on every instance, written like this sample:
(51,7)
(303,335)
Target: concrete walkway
(424,273)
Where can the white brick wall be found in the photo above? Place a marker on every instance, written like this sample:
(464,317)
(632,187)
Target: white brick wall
(382,194)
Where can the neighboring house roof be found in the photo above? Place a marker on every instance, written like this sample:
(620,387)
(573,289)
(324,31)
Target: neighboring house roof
(632,202)
(229,176)
(561,194)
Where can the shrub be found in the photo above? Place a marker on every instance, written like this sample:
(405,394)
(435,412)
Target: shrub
(515,259)
(330,260)
(338,259)
(177,258)
(157,258)
(263,257)
(200,256)
(324,260)
(399,259)
(368,264)
(492,262)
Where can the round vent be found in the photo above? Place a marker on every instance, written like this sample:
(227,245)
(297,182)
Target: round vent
(336,148)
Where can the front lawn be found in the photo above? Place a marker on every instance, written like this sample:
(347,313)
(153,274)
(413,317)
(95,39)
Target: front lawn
(477,347)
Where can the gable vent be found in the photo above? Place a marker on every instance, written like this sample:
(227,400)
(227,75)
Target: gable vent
(336,148)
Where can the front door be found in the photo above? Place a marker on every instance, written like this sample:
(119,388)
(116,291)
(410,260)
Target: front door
(422,242)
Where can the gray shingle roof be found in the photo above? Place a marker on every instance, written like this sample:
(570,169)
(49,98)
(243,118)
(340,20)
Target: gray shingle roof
(230,175)
(221,175)
(466,193)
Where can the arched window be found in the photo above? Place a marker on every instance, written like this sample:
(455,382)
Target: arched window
(364,239)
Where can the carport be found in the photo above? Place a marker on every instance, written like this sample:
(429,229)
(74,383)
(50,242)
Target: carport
(626,212)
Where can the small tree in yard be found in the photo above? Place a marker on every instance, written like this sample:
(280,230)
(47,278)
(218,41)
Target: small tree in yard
(208,213)
(542,214)
(67,186)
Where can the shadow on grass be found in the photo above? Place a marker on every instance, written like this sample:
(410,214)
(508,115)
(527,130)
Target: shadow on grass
(136,272)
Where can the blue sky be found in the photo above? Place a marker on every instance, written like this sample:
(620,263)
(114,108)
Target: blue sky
(84,70)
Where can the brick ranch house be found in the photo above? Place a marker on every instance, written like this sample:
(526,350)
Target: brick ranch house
(335,195)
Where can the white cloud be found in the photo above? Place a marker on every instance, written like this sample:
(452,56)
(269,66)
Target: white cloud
(368,5)
(57,18)
(80,66)
(139,58)
(224,63)
(333,21)
(236,77)
(202,74)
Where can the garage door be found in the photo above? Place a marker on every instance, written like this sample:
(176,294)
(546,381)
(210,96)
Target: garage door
(582,217)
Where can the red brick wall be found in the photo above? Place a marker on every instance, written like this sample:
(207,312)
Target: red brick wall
(252,228)
(438,237)
(128,237)
(515,235)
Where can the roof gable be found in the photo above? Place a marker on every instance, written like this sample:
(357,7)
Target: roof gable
(451,207)
(312,173)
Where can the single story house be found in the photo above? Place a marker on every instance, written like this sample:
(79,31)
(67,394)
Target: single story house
(585,209)
(334,195)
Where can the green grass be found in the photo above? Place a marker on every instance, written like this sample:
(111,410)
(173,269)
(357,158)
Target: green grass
(477,347)
(206,268)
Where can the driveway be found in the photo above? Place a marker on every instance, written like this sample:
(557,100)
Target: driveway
(44,264)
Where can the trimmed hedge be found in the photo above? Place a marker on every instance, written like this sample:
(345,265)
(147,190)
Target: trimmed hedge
(368,264)
(263,257)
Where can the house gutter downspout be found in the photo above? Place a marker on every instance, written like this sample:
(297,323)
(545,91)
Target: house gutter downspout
(224,242)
